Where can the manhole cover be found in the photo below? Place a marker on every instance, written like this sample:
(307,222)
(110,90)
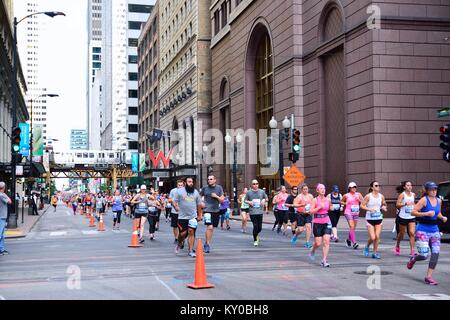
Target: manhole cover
(365,273)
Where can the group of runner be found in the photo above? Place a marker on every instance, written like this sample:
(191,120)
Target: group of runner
(317,216)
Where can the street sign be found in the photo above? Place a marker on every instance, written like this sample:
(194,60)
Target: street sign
(294,176)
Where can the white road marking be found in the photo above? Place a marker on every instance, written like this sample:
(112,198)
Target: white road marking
(89,232)
(428,296)
(58,233)
(167,287)
(342,298)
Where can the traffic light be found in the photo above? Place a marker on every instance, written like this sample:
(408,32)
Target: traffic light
(16,139)
(295,155)
(445,141)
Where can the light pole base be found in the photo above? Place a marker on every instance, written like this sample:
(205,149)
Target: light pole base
(12,221)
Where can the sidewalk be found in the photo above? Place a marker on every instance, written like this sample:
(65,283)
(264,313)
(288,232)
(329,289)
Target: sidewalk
(388,223)
(28,223)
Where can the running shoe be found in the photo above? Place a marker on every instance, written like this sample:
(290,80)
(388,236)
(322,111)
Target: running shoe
(355,245)
(325,264)
(411,263)
(308,245)
(349,243)
(258,239)
(141,240)
(192,254)
(376,255)
(206,248)
(366,251)
(228,227)
(294,240)
(182,245)
(177,249)
(336,240)
(412,254)
(152,237)
(4,253)
(332,238)
(397,251)
(278,230)
(256,243)
(311,256)
(431,281)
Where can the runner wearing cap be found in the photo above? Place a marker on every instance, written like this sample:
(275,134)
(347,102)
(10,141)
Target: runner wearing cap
(141,200)
(303,203)
(256,198)
(374,203)
(174,212)
(321,225)
(428,211)
(292,214)
(335,211)
(405,205)
(352,201)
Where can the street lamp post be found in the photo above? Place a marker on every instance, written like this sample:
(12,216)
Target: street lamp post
(12,218)
(229,139)
(284,135)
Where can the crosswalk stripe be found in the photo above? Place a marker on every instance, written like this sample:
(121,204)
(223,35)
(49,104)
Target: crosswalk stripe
(58,233)
(89,232)
(342,298)
(428,296)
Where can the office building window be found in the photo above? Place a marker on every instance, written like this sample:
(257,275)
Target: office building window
(132,59)
(140,8)
(132,93)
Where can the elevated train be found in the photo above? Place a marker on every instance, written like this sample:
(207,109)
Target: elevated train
(91,157)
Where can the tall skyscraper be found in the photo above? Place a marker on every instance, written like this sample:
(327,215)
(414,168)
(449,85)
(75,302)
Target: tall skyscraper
(121,26)
(94,110)
(28,35)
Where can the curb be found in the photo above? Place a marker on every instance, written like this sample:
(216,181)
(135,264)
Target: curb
(25,235)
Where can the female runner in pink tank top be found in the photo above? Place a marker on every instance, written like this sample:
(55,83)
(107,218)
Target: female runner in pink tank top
(352,200)
(321,225)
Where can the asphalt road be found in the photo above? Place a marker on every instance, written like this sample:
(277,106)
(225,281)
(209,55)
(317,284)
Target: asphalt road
(62,249)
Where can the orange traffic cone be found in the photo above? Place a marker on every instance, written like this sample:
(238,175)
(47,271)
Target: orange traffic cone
(134,236)
(92,225)
(200,281)
(101,225)
(88,214)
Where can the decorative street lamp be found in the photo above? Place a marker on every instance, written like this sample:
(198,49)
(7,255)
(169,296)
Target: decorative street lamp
(284,135)
(12,218)
(228,140)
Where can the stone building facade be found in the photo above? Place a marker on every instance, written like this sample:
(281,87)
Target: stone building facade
(364,96)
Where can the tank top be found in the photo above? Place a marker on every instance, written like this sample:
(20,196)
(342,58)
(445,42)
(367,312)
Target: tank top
(335,203)
(142,206)
(429,224)
(321,216)
(352,206)
(406,211)
(306,200)
(281,199)
(117,203)
(244,205)
(374,203)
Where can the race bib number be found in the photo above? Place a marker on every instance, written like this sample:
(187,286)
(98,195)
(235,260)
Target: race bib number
(355,209)
(307,208)
(336,207)
(257,203)
(141,205)
(152,209)
(193,223)
(88,203)
(284,208)
(423,248)
(207,218)
(409,209)
(376,215)
(329,226)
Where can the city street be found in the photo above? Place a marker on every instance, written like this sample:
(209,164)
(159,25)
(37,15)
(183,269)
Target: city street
(41,266)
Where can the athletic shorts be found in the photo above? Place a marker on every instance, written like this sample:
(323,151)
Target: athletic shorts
(215,218)
(247,210)
(140,215)
(374,222)
(183,225)
(350,217)
(303,219)
(293,217)
(321,229)
(283,216)
(405,222)
(173,220)
(88,204)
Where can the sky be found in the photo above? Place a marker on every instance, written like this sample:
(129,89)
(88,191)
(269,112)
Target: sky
(63,65)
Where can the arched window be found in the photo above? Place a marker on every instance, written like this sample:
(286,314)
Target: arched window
(224,90)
